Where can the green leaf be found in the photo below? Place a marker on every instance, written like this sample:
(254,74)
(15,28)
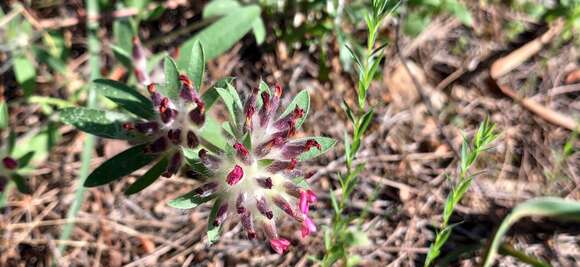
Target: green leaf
(213,232)
(211,95)
(326,143)
(259,31)
(212,133)
(4,116)
(357,238)
(460,11)
(302,100)
(122,56)
(123,32)
(120,165)
(189,201)
(21,184)
(38,142)
(196,67)
(416,23)
(220,8)
(543,206)
(222,34)
(236,96)
(171,86)
(231,102)
(247,141)
(364,123)
(126,97)
(25,73)
(101,123)
(334,202)
(148,178)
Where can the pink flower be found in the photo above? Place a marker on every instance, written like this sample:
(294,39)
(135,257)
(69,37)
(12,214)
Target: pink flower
(280,245)
(308,227)
(235,175)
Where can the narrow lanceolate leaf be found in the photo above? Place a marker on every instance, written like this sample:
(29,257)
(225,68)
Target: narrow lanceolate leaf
(4,116)
(211,132)
(101,123)
(326,143)
(302,100)
(126,97)
(25,73)
(148,178)
(119,166)
(220,8)
(259,30)
(221,35)
(189,201)
(230,103)
(197,65)
(545,206)
(122,56)
(21,184)
(213,232)
(211,95)
(171,86)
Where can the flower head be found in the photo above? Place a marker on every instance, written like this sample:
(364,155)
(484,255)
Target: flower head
(177,120)
(257,172)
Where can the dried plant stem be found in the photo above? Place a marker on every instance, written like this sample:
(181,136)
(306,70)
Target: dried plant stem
(89,144)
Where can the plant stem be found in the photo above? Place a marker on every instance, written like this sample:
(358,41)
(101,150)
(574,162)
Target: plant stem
(89,144)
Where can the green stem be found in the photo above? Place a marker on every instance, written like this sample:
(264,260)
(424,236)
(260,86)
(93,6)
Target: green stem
(89,144)
(523,257)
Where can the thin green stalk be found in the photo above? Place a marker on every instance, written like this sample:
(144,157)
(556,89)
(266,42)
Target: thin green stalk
(470,151)
(341,236)
(89,144)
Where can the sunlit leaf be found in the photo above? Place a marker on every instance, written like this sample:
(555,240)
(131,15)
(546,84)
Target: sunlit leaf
(148,178)
(126,97)
(120,166)
(302,100)
(107,124)
(557,208)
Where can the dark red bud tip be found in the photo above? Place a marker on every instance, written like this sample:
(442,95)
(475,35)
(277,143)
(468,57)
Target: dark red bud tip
(312,143)
(248,224)
(309,175)
(235,176)
(157,146)
(147,127)
(128,126)
(240,203)
(175,136)
(164,105)
(251,235)
(196,115)
(264,209)
(292,164)
(184,79)
(297,113)
(277,90)
(10,163)
(221,215)
(152,88)
(192,140)
(265,100)
(174,164)
(265,182)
